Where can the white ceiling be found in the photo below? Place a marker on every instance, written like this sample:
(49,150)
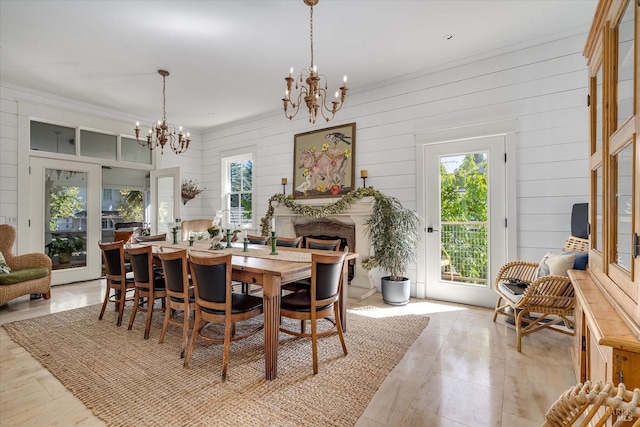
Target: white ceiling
(228,59)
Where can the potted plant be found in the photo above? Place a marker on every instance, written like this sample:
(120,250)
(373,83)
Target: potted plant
(64,246)
(393,234)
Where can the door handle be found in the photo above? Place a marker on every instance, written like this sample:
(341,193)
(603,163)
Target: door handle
(431,230)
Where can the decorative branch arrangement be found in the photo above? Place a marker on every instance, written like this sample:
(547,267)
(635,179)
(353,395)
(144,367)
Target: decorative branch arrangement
(189,190)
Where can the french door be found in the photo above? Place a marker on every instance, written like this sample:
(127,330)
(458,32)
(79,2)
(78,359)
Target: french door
(465,218)
(64,217)
(165,200)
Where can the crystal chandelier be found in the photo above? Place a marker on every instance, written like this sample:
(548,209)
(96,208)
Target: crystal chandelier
(311,89)
(163,132)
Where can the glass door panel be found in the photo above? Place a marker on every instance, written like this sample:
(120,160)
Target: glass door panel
(64,215)
(624,200)
(625,66)
(165,200)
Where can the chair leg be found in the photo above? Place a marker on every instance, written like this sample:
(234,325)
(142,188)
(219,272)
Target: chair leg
(147,325)
(495,312)
(185,331)
(136,302)
(336,312)
(104,303)
(228,330)
(519,315)
(165,323)
(314,344)
(123,295)
(192,341)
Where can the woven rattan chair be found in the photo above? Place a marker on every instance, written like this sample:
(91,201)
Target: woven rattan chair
(551,298)
(321,301)
(257,240)
(595,404)
(149,285)
(39,286)
(179,294)
(117,278)
(217,303)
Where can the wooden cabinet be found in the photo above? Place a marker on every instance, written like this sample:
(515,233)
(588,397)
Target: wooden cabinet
(605,348)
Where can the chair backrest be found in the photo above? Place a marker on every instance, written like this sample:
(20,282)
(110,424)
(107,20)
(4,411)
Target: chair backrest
(257,240)
(290,242)
(326,276)
(176,273)
(128,225)
(325,245)
(212,281)
(155,238)
(142,265)
(576,244)
(196,225)
(113,256)
(124,236)
(7,239)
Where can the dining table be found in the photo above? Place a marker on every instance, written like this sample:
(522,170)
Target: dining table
(258,266)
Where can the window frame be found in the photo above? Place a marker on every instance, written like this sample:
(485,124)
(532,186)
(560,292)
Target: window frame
(227,159)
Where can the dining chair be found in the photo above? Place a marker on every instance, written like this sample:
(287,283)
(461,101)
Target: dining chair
(154,238)
(254,240)
(290,242)
(321,301)
(325,245)
(217,303)
(124,236)
(257,240)
(149,285)
(118,279)
(179,293)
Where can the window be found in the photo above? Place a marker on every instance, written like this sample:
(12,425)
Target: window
(237,191)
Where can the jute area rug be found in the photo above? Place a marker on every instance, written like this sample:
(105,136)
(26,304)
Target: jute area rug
(126,380)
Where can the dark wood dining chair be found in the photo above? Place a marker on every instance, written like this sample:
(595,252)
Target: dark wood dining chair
(257,240)
(118,279)
(179,293)
(154,238)
(321,301)
(217,303)
(290,242)
(124,236)
(321,244)
(149,285)
(254,240)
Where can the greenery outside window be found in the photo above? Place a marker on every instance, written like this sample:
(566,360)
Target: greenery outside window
(237,191)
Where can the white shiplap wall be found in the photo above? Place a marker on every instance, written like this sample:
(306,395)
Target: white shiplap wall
(543,87)
(190,162)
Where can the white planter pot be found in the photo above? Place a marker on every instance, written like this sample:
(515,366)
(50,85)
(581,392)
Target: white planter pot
(395,292)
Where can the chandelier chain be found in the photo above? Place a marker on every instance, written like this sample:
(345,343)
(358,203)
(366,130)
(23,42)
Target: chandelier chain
(164,98)
(311,34)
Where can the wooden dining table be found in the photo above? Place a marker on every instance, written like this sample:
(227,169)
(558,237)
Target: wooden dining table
(270,272)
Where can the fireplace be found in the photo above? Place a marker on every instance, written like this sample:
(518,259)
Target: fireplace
(328,229)
(348,226)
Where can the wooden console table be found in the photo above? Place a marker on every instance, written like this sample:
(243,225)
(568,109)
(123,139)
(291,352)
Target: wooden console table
(605,348)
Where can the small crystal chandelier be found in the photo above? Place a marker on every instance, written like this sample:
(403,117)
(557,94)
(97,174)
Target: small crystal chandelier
(307,85)
(163,132)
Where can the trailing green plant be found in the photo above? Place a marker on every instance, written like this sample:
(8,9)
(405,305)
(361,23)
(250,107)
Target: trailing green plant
(392,229)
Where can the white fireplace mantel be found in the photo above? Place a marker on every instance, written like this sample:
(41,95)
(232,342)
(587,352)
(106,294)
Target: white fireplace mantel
(356,214)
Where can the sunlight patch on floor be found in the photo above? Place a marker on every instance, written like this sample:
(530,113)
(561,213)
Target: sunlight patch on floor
(421,308)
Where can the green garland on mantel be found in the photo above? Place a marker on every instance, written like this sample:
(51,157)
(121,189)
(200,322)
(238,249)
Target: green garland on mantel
(335,208)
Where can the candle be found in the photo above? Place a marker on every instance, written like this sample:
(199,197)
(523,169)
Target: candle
(244,234)
(364,173)
(273,224)
(284,181)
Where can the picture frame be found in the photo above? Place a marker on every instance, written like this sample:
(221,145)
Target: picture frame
(324,162)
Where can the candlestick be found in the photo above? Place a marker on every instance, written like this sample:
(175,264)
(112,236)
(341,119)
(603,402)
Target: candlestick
(284,186)
(364,174)
(273,243)
(245,243)
(229,238)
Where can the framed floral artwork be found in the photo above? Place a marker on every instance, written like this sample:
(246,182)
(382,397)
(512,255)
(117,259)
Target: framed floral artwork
(324,161)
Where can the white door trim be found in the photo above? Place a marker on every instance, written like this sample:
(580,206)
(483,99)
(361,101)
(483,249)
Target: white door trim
(506,128)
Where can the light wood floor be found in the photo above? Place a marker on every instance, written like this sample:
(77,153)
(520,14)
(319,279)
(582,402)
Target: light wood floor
(463,370)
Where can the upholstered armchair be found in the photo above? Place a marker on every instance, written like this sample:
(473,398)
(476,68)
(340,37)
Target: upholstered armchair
(30,273)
